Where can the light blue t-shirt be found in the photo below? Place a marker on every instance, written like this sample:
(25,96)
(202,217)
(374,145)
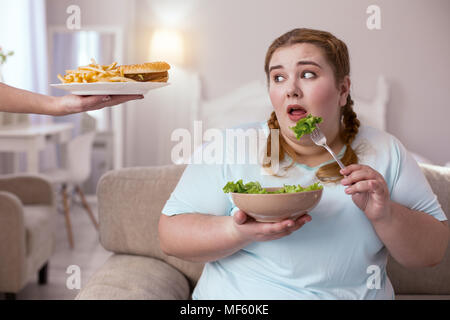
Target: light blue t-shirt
(337,255)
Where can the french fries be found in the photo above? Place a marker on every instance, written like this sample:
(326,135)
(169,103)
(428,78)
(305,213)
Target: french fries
(95,72)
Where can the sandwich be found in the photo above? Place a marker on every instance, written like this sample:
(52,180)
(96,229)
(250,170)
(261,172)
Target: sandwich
(150,71)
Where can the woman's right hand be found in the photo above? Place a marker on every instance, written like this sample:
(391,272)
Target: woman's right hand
(73,104)
(246,229)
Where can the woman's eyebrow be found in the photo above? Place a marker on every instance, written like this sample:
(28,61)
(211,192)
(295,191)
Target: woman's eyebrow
(305,62)
(301,62)
(275,67)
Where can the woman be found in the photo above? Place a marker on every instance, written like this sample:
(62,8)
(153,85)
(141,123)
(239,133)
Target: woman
(22,101)
(380,203)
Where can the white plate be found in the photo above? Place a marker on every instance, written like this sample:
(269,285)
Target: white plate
(101,88)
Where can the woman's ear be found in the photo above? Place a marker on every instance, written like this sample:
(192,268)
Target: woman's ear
(344,91)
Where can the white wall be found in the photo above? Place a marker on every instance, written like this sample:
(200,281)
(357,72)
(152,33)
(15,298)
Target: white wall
(227,42)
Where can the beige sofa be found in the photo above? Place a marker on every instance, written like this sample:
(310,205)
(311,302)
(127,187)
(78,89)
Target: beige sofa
(130,202)
(27,231)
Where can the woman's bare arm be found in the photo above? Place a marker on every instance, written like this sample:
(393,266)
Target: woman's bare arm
(202,238)
(23,101)
(413,238)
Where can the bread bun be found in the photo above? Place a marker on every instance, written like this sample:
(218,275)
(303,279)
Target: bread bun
(148,67)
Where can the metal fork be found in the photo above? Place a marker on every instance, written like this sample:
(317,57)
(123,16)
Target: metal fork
(319,138)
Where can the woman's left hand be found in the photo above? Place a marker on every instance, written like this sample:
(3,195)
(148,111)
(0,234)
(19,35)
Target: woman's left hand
(369,191)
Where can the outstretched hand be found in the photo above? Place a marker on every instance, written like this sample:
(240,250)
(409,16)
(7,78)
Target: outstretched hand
(72,103)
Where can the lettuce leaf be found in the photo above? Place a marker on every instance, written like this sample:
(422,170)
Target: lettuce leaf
(255,188)
(305,125)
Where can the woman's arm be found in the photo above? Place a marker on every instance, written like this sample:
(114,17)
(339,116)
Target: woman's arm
(23,101)
(413,238)
(202,238)
(197,237)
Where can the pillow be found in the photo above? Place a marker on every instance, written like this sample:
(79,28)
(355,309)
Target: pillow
(248,103)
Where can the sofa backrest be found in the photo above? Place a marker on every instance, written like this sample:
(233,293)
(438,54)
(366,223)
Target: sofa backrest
(131,201)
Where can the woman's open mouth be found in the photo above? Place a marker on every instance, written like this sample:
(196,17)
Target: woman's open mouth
(296,112)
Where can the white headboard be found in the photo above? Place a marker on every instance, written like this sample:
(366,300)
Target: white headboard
(248,103)
(373,112)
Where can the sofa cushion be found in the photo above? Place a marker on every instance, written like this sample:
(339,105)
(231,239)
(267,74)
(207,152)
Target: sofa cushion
(128,277)
(39,223)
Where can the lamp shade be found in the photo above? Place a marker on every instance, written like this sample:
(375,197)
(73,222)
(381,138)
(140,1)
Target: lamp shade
(167,45)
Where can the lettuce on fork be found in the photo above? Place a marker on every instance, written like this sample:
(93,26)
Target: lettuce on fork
(255,188)
(305,125)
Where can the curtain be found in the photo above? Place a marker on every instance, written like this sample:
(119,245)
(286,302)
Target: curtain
(23,30)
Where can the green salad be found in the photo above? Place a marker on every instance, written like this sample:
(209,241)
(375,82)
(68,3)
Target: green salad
(305,125)
(255,187)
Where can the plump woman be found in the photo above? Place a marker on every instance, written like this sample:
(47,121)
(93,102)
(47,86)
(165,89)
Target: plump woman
(379,204)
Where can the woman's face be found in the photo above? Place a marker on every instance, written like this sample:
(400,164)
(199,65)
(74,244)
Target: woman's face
(301,82)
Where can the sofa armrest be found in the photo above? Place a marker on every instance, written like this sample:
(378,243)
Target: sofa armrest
(127,277)
(130,202)
(30,189)
(12,243)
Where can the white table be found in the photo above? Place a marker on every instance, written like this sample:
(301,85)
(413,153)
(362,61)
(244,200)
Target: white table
(33,138)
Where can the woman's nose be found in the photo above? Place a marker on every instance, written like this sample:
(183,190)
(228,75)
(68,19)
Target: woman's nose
(294,90)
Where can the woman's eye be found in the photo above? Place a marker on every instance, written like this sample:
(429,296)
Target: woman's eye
(308,75)
(278,78)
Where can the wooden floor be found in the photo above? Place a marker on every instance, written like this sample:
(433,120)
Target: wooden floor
(88,254)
